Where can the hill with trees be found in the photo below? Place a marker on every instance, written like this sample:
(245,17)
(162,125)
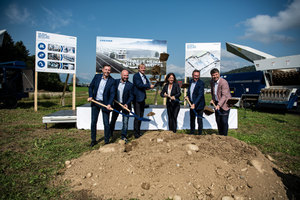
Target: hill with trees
(206,80)
(250,68)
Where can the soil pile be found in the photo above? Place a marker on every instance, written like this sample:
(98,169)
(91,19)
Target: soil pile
(162,165)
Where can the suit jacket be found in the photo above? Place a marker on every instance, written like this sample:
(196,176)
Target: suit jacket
(223,93)
(198,95)
(174,92)
(127,97)
(140,88)
(109,90)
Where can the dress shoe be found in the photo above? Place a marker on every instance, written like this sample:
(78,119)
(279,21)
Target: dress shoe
(93,143)
(137,136)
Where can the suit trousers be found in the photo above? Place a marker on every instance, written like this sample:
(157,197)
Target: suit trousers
(173,110)
(105,116)
(222,121)
(124,121)
(199,120)
(139,108)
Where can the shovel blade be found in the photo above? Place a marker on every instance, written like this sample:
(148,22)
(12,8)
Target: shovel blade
(144,119)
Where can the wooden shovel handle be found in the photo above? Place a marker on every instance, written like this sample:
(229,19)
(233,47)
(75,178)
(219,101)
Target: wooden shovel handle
(188,102)
(122,105)
(213,103)
(96,102)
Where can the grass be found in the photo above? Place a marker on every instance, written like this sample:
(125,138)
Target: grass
(32,158)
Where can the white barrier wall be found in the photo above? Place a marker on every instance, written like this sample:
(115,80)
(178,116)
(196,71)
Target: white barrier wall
(158,121)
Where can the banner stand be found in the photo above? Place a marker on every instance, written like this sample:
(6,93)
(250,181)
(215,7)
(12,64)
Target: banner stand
(184,91)
(62,100)
(74,92)
(35,90)
(55,53)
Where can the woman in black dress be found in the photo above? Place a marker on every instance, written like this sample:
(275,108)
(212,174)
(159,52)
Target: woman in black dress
(171,91)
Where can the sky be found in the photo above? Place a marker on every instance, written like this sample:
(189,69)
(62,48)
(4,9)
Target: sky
(271,26)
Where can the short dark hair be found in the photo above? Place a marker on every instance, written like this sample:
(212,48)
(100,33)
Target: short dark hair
(168,76)
(106,66)
(196,70)
(214,70)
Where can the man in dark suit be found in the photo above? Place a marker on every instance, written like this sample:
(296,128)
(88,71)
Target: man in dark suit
(220,93)
(195,94)
(101,89)
(141,84)
(124,95)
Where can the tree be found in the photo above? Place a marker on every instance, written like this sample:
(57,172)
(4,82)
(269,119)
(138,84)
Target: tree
(50,82)
(7,50)
(21,53)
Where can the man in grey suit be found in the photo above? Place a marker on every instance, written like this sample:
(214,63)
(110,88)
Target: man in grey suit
(220,93)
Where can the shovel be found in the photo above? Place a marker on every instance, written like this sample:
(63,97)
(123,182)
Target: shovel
(208,110)
(151,114)
(193,109)
(96,102)
(218,111)
(134,115)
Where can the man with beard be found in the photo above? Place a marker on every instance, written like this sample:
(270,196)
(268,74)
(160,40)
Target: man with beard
(220,93)
(124,95)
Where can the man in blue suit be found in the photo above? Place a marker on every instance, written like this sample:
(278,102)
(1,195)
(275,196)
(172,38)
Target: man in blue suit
(101,89)
(141,84)
(124,95)
(195,94)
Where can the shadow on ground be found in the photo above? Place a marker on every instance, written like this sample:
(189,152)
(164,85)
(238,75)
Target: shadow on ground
(292,184)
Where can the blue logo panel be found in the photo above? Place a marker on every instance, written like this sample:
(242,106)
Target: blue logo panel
(41,46)
(41,64)
(41,55)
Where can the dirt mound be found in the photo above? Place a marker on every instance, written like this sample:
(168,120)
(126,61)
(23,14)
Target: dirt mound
(162,165)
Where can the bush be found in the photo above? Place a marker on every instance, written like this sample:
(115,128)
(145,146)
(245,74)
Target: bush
(50,82)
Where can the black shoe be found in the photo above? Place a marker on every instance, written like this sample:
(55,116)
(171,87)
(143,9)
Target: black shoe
(93,143)
(137,136)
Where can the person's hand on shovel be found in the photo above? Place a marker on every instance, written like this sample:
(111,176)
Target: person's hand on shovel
(217,107)
(192,106)
(108,107)
(186,98)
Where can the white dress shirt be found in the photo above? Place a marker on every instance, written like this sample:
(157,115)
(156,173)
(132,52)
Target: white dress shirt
(101,89)
(216,89)
(120,91)
(143,76)
(192,89)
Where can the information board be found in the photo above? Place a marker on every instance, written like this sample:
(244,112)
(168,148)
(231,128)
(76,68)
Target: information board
(55,53)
